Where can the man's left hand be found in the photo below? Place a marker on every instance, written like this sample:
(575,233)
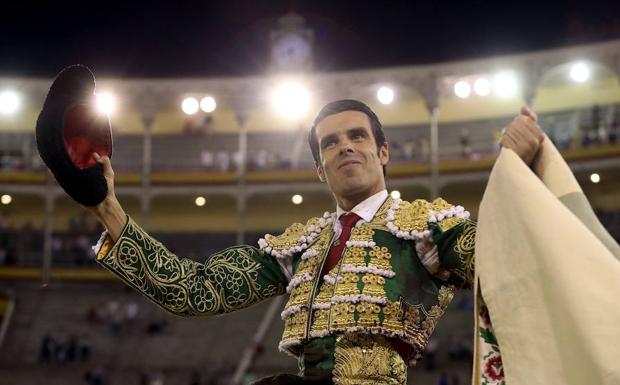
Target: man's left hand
(523,135)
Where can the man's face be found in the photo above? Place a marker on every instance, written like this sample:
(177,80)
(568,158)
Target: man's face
(349,160)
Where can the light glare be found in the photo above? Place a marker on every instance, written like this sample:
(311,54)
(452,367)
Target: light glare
(579,72)
(291,100)
(106,102)
(9,102)
(207,104)
(189,106)
(462,89)
(6,199)
(200,201)
(385,95)
(297,199)
(505,84)
(595,178)
(482,86)
(395,194)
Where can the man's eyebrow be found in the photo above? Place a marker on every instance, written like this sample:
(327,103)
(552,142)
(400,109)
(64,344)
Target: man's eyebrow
(356,130)
(328,138)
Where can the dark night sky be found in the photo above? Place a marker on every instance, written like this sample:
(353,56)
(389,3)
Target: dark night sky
(217,38)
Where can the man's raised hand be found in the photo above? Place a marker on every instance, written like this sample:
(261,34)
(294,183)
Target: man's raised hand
(109,212)
(523,135)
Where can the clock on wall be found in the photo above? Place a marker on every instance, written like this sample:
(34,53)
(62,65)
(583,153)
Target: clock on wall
(291,50)
(291,44)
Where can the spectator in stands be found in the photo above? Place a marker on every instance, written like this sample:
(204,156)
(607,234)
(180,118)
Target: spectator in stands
(206,159)
(351,153)
(465,141)
(47,349)
(409,149)
(223,161)
(442,379)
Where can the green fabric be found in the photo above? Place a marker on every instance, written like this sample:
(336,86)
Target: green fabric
(229,280)
(412,285)
(317,357)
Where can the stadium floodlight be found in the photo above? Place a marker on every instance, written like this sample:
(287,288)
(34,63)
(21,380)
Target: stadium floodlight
(291,100)
(395,194)
(190,106)
(579,72)
(6,199)
(200,201)
(482,86)
(505,84)
(207,104)
(595,178)
(106,102)
(462,89)
(297,199)
(9,102)
(385,95)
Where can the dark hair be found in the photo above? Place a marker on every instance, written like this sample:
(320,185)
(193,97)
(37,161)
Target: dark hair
(341,106)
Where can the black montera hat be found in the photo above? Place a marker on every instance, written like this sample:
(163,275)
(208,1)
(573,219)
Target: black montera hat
(69,130)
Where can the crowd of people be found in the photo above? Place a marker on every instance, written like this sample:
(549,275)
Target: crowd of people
(600,126)
(23,244)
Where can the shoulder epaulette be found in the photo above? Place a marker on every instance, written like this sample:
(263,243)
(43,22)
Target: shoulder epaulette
(410,220)
(295,238)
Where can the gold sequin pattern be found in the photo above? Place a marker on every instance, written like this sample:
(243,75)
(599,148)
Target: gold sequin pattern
(373,285)
(295,326)
(412,216)
(368,314)
(291,236)
(367,360)
(392,317)
(300,295)
(380,257)
(362,233)
(354,256)
(320,320)
(343,315)
(348,284)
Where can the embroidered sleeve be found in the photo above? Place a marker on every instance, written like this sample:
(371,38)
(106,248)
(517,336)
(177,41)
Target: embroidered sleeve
(229,280)
(455,249)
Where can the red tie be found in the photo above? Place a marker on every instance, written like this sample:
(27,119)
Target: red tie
(347,221)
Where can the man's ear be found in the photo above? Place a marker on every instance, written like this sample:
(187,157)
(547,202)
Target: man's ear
(320,172)
(384,154)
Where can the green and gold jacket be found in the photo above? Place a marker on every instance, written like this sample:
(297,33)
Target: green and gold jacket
(396,277)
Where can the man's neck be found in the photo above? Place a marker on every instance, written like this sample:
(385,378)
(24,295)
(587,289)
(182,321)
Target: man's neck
(349,202)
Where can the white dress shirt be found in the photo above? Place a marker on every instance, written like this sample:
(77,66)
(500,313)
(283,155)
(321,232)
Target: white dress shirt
(366,210)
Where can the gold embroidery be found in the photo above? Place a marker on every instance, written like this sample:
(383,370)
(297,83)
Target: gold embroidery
(300,295)
(343,315)
(380,257)
(326,291)
(227,281)
(446,223)
(368,314)
(367,360)
(348,284)
(464,248)
(373,285)
(292,235)
(354,256)
(295,325)
(362,233)
(320,320)
(392,319)
(412,216)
